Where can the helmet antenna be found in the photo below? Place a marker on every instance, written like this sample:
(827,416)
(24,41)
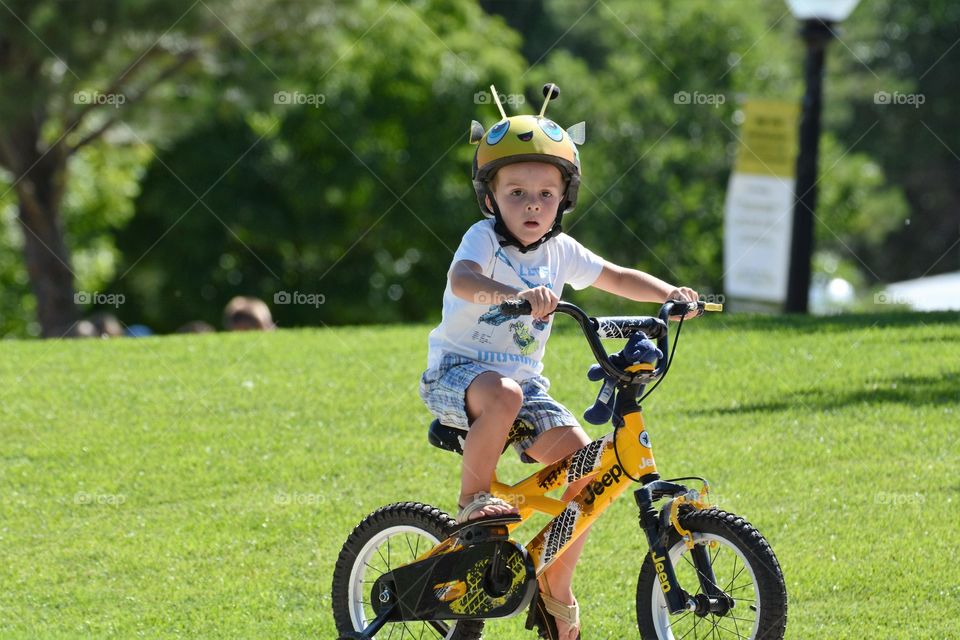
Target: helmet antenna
(550,92)
(496,98)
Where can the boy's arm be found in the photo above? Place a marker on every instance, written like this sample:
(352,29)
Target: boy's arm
(468,283)
(640,286)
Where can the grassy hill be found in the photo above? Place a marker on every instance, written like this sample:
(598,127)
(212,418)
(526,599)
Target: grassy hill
(201,486)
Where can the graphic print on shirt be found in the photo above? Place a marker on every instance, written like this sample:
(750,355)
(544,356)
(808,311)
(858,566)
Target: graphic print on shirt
(523,334)
(523,338)
(542,272)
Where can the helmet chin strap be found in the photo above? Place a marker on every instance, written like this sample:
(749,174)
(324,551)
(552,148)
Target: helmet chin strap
(510,240)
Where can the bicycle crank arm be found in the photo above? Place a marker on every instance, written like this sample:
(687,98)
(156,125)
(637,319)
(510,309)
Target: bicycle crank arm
(373,627)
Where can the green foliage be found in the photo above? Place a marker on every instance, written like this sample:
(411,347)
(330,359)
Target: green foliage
(356,188)
(360,199)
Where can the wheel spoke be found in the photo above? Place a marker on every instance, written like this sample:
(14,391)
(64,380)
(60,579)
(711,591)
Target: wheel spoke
(380,553)
(737,627)
(440,628)
(734,579)
(739,618)
(689,630)
(715,621)
(680,617)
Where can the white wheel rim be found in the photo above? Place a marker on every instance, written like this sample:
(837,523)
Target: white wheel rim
(359,588)
(663,621)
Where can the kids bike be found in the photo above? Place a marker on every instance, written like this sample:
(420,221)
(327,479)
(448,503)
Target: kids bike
(409,568)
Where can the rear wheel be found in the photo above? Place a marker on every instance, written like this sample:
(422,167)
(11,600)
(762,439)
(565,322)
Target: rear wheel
(388,538)
(745,568)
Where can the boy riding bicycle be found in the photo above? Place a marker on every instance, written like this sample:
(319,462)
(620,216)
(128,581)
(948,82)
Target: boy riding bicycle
(484,370)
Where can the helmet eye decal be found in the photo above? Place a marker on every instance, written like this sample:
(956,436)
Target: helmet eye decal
(526,137)
(497,132)
(552,129)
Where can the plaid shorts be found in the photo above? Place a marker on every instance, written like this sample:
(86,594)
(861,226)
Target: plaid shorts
(444,391)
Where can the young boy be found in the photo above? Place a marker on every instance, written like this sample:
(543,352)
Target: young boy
(483,369)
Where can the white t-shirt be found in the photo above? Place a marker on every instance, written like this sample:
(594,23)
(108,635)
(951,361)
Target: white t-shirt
(513,347)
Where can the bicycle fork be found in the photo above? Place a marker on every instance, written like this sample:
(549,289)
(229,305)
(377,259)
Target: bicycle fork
(656,527)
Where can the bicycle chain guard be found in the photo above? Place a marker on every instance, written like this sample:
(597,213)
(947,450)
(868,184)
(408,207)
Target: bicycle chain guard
(490,579)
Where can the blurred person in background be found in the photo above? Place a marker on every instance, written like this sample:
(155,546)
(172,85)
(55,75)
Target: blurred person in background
(244,313)
(197,326)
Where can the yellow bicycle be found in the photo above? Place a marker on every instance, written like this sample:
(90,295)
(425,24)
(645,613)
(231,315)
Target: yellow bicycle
(410,568)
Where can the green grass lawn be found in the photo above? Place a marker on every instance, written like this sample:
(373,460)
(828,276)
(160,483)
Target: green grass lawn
(201,486)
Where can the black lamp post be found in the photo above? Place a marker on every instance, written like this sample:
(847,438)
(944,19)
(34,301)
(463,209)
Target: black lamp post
(819,18)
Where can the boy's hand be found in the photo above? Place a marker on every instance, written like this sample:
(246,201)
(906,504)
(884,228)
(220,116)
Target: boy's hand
(542,301)
(685,293)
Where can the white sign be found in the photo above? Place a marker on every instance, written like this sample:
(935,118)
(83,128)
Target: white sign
(758,213)
(756,237)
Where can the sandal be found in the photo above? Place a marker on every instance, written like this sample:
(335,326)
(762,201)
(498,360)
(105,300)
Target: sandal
(547,610)
(480,501)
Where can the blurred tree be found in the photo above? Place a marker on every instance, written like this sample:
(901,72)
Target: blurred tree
(895,99)
(662,110)
(349,207)
(68,73)
(76,75)
(321,217)
(321,151)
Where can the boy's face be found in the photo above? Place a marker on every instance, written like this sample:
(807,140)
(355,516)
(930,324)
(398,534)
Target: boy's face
(528,194)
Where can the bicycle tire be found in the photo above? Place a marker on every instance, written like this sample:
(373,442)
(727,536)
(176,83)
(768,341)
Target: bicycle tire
(378,527)
(740,541)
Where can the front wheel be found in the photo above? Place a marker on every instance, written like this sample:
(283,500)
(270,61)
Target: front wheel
(388,538)
(745,568)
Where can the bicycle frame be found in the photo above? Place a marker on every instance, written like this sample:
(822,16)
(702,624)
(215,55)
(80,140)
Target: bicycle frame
(572,518)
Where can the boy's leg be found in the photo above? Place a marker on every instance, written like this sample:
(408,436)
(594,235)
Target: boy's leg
(492,402)
(550,446)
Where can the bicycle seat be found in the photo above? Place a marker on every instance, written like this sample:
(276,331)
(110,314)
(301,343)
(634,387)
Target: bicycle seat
(450,438)
(446,438)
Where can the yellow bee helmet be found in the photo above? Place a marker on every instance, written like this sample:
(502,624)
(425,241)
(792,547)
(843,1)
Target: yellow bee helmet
(526,138)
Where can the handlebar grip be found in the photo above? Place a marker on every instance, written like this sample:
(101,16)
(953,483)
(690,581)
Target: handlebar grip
(515,308)
(682,307)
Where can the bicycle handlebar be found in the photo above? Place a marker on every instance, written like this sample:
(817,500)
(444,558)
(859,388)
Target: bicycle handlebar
(595,329)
